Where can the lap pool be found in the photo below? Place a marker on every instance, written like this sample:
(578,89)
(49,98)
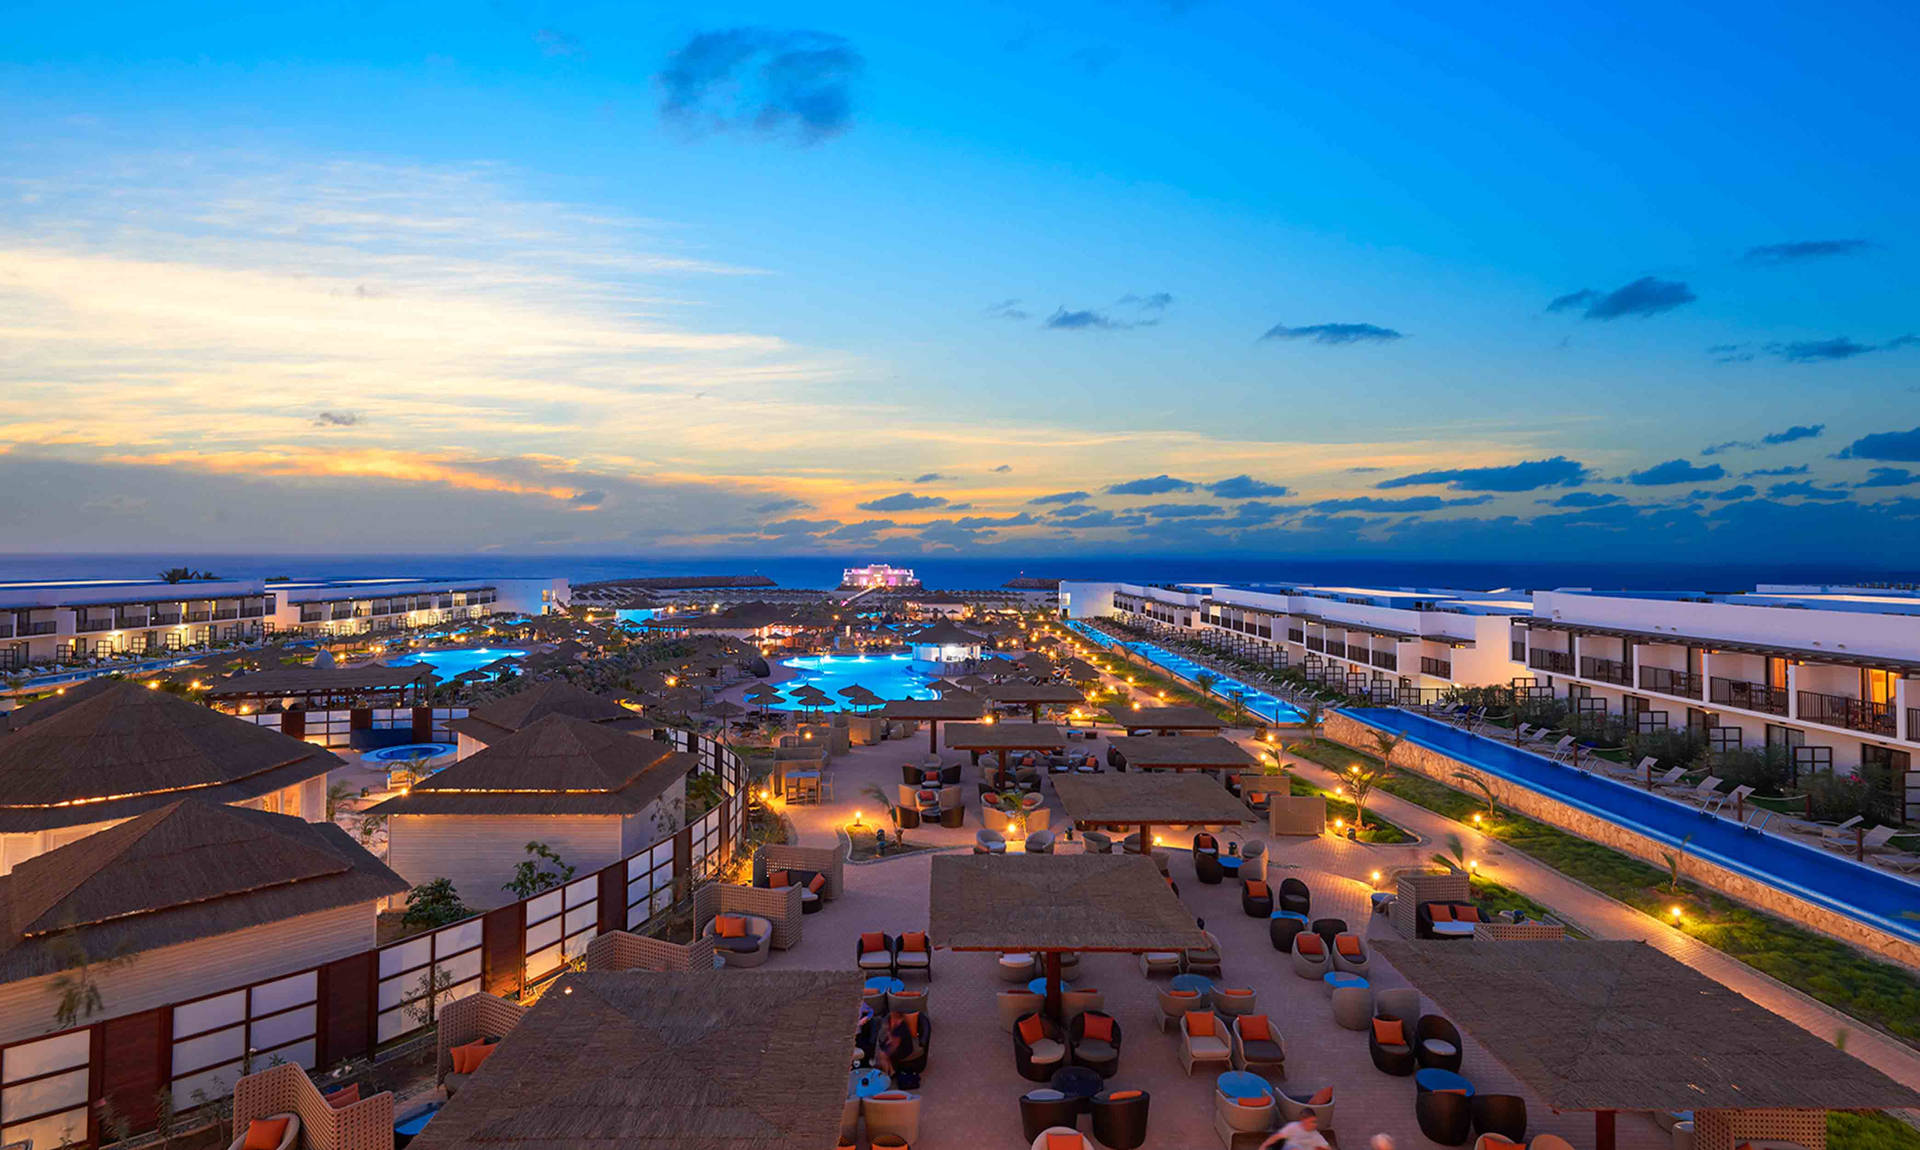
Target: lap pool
(1863,893)
(1256,700)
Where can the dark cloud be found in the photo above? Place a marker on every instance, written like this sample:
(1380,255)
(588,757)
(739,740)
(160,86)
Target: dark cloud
(1676,471)
(1774,472)
(1157,485)
(1643,297)
(1246,487)
(1059,497)
(1157,301)
(336,419)
(1258,511)
(1774,439)
(1179,510)
(1582,499)
(1334,333)
(1741,491)
(588,499)
(775,506)
(1889,477)
(1885,447)
(1529,475)
(860,532)
(1003,469)
(1805,490)
(1008,309)
(1071,510)
(959,507)
(1063,319)
(762,79)
(977,522)
(905,501)
(1103,519)
(1804,250)
(931,477)
(797,528)
(1839,347)
(1379,506)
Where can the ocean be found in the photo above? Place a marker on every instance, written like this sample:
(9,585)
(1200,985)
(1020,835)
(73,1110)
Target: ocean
(974,573)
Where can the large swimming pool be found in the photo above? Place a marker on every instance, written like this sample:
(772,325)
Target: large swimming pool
(888,676)
(1864,893)
(447,664)
(1256,700)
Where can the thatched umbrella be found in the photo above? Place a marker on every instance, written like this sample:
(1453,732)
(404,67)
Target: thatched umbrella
(725,709)
(812,697)
(942,686)
(971,682)
(859,696)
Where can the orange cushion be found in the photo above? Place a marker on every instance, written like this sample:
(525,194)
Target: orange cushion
(1183,994)
(467,1059)
(1066,1142)
(1448,1090)
(1310,943)
(1235,991)
(1322,1098)
(1493,1139)
(1201,1023)
(1257,889)
(1032,1029)
(1467,914)
(1122,1095)
(1440,912)
(819,884)
(345,1096)
(779,878)
(914,940)
(1255,1100)
(893,1096)
(1347,944)
(1098,1027)
(265,1133)
(730,926)
(1389,1032)
(1256,1028)
(872,941)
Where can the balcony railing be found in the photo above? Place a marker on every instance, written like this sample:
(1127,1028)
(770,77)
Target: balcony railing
(94,625)
(1845,711)
(166,620)
(1559,662)
(47,627)
(1337,650)
(1747,696)
(199,616)
(1666,682)
(6,630)
(1314,644)
(253,612)
(1613,671)
(1387,660)
(1439,668)
(1913,724)
(1296,635)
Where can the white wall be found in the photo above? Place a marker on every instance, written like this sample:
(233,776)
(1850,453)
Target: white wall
(1847,632)
(479,852)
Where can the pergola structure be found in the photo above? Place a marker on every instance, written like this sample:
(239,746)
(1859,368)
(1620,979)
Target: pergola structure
(1004,738)
(1166,719)
(320,687)
(954,707)
(1051,904)
(668,1061)
(1182,753)
(1034,695)
(1146,801)
(1612,1026)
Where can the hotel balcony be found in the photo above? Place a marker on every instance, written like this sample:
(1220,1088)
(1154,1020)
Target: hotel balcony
(1336,650)
(1438,668)
(1315,644)
(1557,662)
(166,620)
(93,625)
(227,613)
(1844,711)
(6,630)
(1747,696)
(1386,660)
(46,627)
(1613,671)
(1662,681)
(199,616)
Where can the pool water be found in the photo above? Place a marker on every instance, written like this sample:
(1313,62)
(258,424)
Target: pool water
(1864,893)
(1257,701)
(888,676)
(447,664)
(409,751)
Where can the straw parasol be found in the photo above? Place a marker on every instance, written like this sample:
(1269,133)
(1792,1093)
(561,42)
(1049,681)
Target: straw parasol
(859,696)
(1166,718)
(1182,753)
(1004,738)
(1148,800)
(957,706)
(726,709)
(1033,695)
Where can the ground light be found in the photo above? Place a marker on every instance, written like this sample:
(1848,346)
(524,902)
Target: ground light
(1673,916)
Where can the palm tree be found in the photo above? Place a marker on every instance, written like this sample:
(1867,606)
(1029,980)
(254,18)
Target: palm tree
(1205,680)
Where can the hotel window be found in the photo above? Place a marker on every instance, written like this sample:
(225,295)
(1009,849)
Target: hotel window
(1812,761)
(1899,762)
(1723,739)
(1777,674)
(1787,737)
(1877,686)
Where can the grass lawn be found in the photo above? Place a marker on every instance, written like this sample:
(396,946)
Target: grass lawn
(1377,830)
(1869,1131)
(1880,993)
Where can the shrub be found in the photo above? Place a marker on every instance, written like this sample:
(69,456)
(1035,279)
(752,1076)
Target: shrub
(1765,769)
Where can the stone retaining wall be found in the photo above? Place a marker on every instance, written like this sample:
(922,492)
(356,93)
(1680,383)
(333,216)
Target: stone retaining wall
(1442,768)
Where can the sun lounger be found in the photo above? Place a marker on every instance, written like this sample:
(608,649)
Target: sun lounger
(1717,802)
(1841,832)
(1704,793)
(1670,779)
(1561,749)
(1873,842)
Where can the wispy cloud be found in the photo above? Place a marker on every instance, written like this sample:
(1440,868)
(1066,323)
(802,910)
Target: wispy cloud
(1802,489)
(1530,475)
(1889,477)
(1060,497)
(1774,472)
(1645,296)
(1334,333)
(1800,250)
(904,501)
(1583,499)
(1179,510)
(1676,471)
(930,477)
(336,419)
(1065,319)
(1246,487)
(1007,309)
(1772,439)
(763,80)
(1153,301)
(1156,485)
(1370,503)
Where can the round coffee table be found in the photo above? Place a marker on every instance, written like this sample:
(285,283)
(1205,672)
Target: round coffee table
(1335,978)
(1230,865)
(1238,1084)
(883,982)
(1077,1082)
(1195,982)
(867,1083)
(1039,985)
(1434,1078)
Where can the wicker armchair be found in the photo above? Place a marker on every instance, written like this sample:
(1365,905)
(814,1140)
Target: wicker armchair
(782,909)
(1445,1117)
(1500,1115)
(286,1091)
(874,950)
(1174,1005)
(1206,867)
(1350,953)
(1095,1052)
(1044,1109)
(1297,1102)
(894,1112)
(1281,927)
(466,1020)
(1013,1005)
(1203,959)
(1296,896)
(1256,899)
(1258,1046)
(1309,955)
(1120,1118)
(912,951)
(1390,1044)
(749,949)
(1081,999)
(1436,1043)
(1045,1139)
(1203,1038)
(1039,1047)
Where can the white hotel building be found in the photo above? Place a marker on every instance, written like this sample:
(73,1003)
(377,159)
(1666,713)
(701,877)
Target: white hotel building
(46,622)
(1832,673)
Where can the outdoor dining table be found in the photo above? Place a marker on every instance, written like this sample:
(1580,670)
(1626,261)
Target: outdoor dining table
(867,1083)
(1077,1082)
(1195,982)
(1453,929)
(1039,985)
(1434,1078)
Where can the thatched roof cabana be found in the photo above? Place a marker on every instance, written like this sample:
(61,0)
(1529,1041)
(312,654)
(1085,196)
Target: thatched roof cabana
(754,1060)
(1033,695)
(559,765)
(117,751)
(496,720)
(318,684)
(1166,718)
(1182,753)
(1054,903)
(1147,800)
(952,707)
(1608,1026)
(1004,738)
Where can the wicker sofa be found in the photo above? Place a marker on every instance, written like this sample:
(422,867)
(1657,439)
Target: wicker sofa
(286,1089)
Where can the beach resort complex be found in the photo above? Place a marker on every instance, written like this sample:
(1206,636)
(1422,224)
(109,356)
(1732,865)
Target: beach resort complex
(355,864)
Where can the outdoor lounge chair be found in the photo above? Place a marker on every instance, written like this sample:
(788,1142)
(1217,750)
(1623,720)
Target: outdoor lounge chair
(1840,832)
(1080,999)
(1258,1045)
(1671,778)
(1350,953)
(1873,842)
(1206,867)
(1154,962)
(1039,842)
(1094,1039)
(1502,1115)
(1297,1102)
(874,951)
(1015,1004)
(1445,1117)
(1437,1043)
(1708,788)
(749,947)
(1250,1114)
(1296,896)
(1233,1001)
(1719,800)
(913,952)
(920,1026)
(1390,1044)
(1203,1039)
(1098,842)
(1256,899)
(1253,856)
(812,884)
(1061,1138)
(1309,955)
(1202,959)
(1561,750)
(289,1137)
(989,842)
(895,1112)
(1120,1118)
(1043,1108)
(1016,966)
(1039,1047)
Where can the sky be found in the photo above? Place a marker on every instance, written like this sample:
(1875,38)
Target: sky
(1571,281)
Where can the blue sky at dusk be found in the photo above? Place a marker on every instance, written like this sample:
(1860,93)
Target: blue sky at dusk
(1133,275)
